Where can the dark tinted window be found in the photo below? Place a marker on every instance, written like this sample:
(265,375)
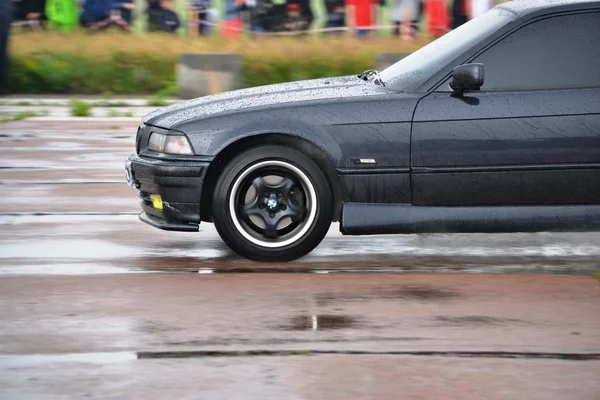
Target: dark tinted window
(554,53)
(412,71)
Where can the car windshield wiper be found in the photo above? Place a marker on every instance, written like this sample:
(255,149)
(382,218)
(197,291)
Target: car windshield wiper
(372,74)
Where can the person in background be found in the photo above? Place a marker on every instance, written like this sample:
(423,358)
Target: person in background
(437,17)
(336,14)
(30,10)
(260,14)
(479,7)
(232,22)
(417,21)
(95,11)
(201,10)
(6,16)
(404,12)
(305,11)
(16,4)
(62,15)
(460,12)
(154,11)
(169,21)
(277,15)
(295,21)
(125,8)
(360,15)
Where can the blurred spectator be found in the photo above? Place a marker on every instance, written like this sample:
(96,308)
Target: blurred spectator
(295,21)
(277,15)
(404,13)
(336,13)
(437,18)
(231,23)
(201,10)
(259,11)
(102,14)
(33,11)
(460,12)
(154,12)
(479,7)
(125,9)
(6,16)
(169,21)
(305,10)
(361,14)
(95,11)
(416,22)
(62,14)
(262,16)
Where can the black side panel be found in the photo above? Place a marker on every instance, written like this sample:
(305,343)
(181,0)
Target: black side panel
(522,134)
(376,188)
(500,141)
(388,144)
(536,187)
(366,219)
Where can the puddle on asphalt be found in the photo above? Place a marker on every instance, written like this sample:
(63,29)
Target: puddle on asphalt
(92,157)
(21,360)
(16,138)
(120,137)
(152,327)
(415,292)
(69,269)
(406,292)
(24,167)
(508,245)
(66,249)
(61,181)
(20,218)
(320,322)
(476,320)
(64,146)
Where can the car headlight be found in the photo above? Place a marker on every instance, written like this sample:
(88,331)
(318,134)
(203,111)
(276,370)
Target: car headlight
(170,144)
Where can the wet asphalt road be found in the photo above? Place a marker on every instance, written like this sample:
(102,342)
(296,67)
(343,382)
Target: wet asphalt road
(96,304)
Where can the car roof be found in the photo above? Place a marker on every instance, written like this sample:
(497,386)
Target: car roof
(524,7)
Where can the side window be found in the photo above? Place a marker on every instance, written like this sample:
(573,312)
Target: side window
(555,53)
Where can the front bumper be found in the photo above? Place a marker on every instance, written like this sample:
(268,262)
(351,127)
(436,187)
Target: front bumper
(179,183)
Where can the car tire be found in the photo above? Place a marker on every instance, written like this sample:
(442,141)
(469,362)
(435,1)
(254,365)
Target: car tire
(272,203)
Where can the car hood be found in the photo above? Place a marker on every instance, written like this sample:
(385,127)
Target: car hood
(262,96)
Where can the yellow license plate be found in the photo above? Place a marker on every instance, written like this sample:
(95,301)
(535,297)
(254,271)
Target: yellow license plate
(157,201)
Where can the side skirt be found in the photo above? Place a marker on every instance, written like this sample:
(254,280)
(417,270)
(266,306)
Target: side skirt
(370,219)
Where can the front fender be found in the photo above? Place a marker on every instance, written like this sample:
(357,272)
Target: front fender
(210,136)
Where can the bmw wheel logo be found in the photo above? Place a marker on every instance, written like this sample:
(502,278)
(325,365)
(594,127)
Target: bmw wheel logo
(272,204)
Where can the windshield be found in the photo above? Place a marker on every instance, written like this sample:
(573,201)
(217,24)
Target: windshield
(415,69)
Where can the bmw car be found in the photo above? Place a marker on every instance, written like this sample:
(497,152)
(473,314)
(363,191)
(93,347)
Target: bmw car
(494,127)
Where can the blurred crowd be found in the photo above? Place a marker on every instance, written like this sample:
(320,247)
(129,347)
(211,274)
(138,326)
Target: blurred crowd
(256,16)
(233,18)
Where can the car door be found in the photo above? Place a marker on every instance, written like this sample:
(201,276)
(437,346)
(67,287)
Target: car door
(530,136)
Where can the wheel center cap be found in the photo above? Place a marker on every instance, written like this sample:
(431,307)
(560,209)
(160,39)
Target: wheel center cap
(272,204)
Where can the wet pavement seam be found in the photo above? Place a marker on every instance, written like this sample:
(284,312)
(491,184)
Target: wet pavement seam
(8,360)
(451,354)
(58,182)
(61,213)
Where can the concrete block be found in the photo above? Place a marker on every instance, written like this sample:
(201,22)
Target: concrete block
(384,60)
(201,74)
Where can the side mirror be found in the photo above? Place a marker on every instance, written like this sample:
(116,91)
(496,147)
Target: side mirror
(467,77)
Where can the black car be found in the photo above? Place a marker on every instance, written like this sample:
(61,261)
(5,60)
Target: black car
(427,145)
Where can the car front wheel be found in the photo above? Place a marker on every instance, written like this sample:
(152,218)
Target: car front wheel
(272,203)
